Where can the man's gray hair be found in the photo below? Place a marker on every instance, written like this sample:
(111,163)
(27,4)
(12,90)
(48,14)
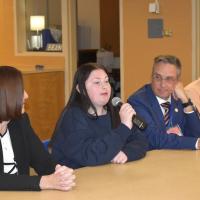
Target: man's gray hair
(168,59)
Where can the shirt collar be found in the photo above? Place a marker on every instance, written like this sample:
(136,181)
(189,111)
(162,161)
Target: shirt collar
(160,100)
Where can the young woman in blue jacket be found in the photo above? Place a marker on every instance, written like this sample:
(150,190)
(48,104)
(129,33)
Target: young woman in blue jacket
(90,130)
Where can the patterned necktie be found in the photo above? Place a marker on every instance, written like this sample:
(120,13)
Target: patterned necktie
(166,107)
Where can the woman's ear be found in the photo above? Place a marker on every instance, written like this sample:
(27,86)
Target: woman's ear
(77,88)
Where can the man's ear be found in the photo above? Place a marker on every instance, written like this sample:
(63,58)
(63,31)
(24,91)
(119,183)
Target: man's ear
(77,88)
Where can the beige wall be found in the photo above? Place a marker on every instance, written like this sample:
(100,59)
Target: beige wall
(138,50)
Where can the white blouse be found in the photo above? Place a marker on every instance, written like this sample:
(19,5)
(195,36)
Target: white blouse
(10,166)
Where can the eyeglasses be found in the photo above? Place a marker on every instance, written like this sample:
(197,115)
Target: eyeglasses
(167,79)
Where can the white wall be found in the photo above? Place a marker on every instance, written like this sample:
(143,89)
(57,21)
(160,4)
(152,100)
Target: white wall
(88,24)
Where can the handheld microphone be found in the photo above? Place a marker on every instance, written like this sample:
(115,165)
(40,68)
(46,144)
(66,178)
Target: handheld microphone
(137,120)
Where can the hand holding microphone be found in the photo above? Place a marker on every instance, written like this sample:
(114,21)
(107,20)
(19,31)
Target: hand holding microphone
(135,119)
(126,114)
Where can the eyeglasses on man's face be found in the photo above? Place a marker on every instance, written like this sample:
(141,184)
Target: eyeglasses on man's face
(168,79)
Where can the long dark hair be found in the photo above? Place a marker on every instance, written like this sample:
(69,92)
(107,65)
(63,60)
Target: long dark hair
(11,93)
(81,99)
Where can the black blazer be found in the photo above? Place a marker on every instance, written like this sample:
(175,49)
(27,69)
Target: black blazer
(28,152)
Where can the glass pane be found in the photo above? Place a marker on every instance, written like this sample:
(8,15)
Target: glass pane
(43,25)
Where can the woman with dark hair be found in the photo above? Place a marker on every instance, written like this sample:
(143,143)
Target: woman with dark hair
(20,148)
(90,131)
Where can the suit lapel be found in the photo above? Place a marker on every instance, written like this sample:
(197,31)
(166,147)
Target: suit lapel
(158,117)
(154,104)
(155,108)
(175,110)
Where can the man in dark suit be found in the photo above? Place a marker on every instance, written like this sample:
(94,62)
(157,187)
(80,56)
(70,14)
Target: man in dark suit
(164,105)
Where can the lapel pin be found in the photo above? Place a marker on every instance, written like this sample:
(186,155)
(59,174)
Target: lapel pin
(176,109)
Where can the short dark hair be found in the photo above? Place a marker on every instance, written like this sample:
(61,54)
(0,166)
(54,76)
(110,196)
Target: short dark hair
(11,93)
(168,59)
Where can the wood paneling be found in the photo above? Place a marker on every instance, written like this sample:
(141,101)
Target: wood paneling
(46,100)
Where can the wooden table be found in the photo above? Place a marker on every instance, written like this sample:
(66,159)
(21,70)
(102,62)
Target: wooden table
(162,175)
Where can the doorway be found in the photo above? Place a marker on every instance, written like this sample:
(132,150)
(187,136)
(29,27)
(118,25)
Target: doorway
(98,34)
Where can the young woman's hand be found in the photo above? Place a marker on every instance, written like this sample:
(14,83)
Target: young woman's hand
(120,158)
(62,179)
(126,114)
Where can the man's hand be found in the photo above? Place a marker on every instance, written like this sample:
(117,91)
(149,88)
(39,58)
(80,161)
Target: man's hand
(179,93)
(198,144)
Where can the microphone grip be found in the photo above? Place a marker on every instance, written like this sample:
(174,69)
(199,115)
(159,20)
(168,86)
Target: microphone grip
(139,122)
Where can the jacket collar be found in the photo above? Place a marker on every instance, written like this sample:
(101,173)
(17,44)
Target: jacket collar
(156,107)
